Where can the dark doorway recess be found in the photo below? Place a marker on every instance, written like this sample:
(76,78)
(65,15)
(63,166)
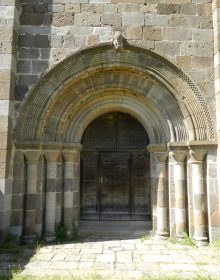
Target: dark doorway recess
(115,170)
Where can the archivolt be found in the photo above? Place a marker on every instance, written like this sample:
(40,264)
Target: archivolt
(100,79)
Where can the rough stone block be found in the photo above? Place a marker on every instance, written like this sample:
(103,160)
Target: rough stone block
(24,66)
(5,61)
(92,40)
(156,20)
(152,33)
(184,21)
(56,8)
(132,19)
(168,48)
(69,41)
(134,33)
(41,41)
(197,48)
(39,66)
(72,8)
(105,33)
(148,8)
(184,62)
(27,80)
(203,35)
(5,76)
(32,18)
(6,34)
(47,19)
(177,34)
(26,40)
(188,9)
(56,41)
(86,19)
(201,63)
(20,92)
(128,7)
(58,19)
(111,19)
(206,22)
(204,9)
(93,8)
(28,53)
(168,9)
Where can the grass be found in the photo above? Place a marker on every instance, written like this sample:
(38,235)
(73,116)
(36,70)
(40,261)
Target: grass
(185,240)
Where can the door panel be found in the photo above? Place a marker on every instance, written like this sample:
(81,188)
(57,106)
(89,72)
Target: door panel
(89,183)
(115,184)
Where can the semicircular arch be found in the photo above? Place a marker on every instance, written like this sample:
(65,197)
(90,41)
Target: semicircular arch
(160,95)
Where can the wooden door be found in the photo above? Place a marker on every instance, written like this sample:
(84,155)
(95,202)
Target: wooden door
(115,170)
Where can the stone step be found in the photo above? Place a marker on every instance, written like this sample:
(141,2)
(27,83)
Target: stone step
(115,229)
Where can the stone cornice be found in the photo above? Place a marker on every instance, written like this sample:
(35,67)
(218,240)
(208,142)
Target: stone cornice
(48,146)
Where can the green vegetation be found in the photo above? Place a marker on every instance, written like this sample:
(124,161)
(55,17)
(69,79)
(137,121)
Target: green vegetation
(184,240)
(61,233)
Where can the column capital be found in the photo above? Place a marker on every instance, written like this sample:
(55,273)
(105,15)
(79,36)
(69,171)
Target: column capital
(177,156)
(160,157)
(32,156)
(52,156)
(197,155)
(71,156)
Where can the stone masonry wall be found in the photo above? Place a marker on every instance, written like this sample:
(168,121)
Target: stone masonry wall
(8,41)
(180,30)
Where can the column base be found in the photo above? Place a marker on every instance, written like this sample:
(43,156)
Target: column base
(29,239)
(201,241)
(161,235)
(50,237)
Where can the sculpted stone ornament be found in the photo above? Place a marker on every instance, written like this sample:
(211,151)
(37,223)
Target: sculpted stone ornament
(117,41)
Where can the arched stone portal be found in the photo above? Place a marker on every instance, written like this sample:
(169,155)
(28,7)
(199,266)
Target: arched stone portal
(172,110)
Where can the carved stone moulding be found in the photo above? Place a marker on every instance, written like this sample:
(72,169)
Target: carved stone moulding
(48,146)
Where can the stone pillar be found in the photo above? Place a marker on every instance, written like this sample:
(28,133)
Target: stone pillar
(50,209)
(162,194)
(71,188)
(9,18)
(199,196)
(180,191)
(32,158)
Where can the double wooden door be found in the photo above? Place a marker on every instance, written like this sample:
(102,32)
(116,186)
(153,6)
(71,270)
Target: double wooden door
(115,185)
(115,175)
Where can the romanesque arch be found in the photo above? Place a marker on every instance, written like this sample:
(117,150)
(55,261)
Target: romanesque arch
(92,82)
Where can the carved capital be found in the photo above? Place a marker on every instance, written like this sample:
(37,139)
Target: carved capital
(71,156)
(32,156)
(178,156)
(160,157)
(197,155)
(52,156)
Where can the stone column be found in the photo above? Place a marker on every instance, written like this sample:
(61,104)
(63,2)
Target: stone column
(50,209)
(180,191)
(71,189)
(32,158)
(199,196)
(162,194)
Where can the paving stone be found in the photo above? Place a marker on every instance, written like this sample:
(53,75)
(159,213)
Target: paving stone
(106,258)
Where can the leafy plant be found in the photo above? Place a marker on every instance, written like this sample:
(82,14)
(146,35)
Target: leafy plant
(184,240)
(61,233)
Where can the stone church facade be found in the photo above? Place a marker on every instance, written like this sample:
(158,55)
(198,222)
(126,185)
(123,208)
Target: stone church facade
(109,110)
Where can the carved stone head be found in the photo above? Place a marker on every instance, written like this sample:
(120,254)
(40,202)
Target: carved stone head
(117,40)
